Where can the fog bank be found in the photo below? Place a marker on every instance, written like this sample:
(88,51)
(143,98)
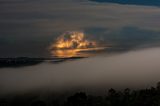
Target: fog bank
(134,69)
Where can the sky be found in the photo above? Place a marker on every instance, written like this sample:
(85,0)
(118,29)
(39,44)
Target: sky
(133,2)
(29,27)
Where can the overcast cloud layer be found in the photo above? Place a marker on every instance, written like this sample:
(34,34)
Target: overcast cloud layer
(27,27)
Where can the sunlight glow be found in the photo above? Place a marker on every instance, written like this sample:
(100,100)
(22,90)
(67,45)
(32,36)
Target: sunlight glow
(73,44)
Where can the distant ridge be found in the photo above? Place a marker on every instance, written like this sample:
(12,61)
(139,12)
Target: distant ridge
(27,61)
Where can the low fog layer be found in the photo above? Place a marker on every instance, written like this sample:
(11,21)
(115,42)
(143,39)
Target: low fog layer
(135,69)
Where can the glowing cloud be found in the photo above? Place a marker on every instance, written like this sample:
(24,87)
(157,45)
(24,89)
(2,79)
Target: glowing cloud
(73,40)
(70,44)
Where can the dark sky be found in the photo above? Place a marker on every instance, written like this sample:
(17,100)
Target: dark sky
(133,2)
(28,27)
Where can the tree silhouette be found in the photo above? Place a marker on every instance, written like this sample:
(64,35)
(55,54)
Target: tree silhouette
(79,99)
(126,97)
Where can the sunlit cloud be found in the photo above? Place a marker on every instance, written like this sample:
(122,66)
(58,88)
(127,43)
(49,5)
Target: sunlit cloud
(72,44)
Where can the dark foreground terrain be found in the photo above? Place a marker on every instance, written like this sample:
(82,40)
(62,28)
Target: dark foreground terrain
(127,97)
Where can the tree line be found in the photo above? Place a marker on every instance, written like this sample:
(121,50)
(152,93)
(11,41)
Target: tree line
(127,97)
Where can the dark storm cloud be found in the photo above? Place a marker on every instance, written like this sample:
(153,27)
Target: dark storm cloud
(133,2)
(126,37)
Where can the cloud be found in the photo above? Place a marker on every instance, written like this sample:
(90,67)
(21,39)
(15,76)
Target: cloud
(126,38)
(134,69)
(40,22)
